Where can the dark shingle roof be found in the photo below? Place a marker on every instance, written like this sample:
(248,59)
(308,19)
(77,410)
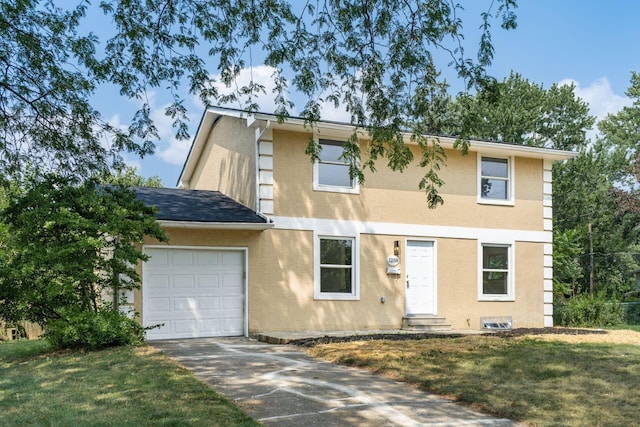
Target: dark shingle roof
(196,205)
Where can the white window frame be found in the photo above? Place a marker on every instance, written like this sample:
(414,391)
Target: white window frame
(355,185)
(510,200)
(511,292)
(355,272)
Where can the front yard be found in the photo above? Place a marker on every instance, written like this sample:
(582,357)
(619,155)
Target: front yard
(125,386)
(547,380)
(541,380)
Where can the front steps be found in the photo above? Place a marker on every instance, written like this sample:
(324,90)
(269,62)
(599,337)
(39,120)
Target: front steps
(425,322)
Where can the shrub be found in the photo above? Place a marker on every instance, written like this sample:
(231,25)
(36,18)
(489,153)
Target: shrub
(584,311)
(94,330)
(631,313)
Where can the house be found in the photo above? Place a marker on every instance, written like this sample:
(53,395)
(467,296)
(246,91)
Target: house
(264,240)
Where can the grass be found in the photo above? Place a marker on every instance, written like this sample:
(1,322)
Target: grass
(627,327)
(125,386)
(542,383)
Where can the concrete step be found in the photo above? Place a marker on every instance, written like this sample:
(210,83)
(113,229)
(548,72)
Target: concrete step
(425,323)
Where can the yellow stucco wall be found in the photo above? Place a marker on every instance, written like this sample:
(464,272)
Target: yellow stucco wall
(458,285)
(281,261)
(388,196)
(229,165)
(281,282)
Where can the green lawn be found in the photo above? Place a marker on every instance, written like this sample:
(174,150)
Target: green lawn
(542,383)
(126,386)
(628,327)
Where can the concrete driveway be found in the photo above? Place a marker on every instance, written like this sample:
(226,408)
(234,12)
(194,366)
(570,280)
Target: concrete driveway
(280,386)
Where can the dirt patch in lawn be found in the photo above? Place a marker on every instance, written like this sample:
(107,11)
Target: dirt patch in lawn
(570,335)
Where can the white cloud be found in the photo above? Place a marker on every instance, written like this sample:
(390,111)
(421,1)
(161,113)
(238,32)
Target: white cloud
(263,75)
(170,149)
(330,112)
(176,153)
(106,139)
(600,97)
(134,163)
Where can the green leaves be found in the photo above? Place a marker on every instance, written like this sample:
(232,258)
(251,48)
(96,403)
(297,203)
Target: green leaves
(66,245)
(46,120)
(377,59)
(380,60)
(518,111)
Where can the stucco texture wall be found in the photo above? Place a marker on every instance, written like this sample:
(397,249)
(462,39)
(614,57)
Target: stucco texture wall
(280,282)
(388,196)
(229,165)
(458,279)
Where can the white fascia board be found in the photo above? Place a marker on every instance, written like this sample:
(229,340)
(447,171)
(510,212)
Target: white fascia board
(499,148)
(345,130)
(216,225)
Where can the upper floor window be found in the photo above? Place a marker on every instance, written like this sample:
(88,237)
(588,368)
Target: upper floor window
(331,172)
(495,180)
(496,266)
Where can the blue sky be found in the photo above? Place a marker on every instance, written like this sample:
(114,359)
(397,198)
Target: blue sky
(589,42)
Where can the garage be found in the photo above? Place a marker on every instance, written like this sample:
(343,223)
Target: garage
(193,292)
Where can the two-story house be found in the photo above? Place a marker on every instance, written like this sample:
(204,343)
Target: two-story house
(263,239)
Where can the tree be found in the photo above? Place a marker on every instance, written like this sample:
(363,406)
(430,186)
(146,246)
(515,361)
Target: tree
(583,198)
(518,111)
(49,74)
(379,59)
(70,246)
(128,177)
(600,189)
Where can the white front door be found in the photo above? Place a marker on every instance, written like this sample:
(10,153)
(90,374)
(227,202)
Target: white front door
(420,288)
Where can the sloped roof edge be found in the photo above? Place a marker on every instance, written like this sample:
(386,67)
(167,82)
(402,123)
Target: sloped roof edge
(341,129)
(183,207)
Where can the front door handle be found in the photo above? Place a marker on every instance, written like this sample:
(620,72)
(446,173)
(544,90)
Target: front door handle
(407,283)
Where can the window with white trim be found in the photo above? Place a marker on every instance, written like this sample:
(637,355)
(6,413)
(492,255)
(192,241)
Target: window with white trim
(331,171)
(495,181)
(336,268)
(496,272)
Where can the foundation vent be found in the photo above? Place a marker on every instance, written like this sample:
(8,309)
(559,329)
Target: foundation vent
(496,323)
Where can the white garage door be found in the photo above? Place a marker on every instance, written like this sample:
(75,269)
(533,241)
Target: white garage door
(193,293)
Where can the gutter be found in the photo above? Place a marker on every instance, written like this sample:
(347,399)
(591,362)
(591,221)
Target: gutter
(216,225)
(344,130)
